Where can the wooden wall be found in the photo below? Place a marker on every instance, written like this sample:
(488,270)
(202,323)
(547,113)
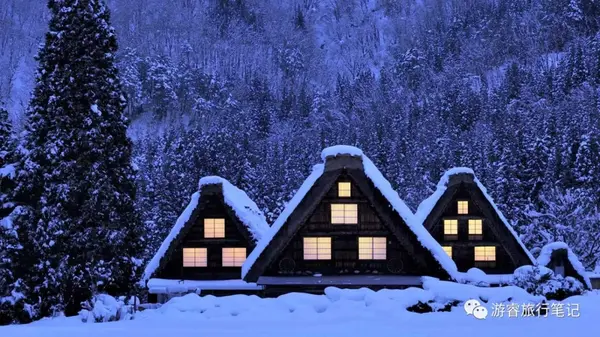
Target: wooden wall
(211,206)
(463,246)
(344,242)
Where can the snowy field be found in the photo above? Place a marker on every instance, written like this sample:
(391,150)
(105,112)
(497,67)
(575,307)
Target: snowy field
(340,313)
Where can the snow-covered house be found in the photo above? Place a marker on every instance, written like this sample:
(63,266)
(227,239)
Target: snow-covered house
(558,257)
(345,226)
(466,222)
(209,243)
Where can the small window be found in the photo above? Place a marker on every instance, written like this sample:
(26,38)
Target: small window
(450,229)
(194,257)
(344,190)
(372,248)
(463,207)
(475,229)
(233,257)
(448,250)
(344,214)
(214,228)
(317,248)
(485,254)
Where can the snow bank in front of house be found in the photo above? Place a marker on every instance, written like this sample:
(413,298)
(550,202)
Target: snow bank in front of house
(428,204)
(183,218)
(245,209)
(435,293)
(316,173)
(546,255)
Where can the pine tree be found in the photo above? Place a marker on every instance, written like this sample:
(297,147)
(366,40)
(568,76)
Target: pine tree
(79,231)
(7,167)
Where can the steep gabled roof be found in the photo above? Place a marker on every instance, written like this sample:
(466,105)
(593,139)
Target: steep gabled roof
(546,256)
(440,198)
(324,179)
(244,209)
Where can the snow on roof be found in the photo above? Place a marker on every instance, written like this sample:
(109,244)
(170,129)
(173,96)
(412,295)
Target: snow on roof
(382,184)
(244,208)
(428,204)
(183,218)
(7,171)
(546,256)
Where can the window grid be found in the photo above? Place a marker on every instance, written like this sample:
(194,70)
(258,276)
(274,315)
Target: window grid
(372,248)
(485,253)
(344,214)
(463,207)
(194,257)
(448,250)
(450,227)
(214,228)
(233,257)
(344,189)
(475,227)
(317,248)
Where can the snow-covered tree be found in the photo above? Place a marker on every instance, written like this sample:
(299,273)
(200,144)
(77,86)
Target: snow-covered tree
(78,228)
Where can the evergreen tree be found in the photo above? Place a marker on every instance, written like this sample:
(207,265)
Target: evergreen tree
(79,230)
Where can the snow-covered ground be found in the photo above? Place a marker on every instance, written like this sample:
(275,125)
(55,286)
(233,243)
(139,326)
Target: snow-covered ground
(340,313)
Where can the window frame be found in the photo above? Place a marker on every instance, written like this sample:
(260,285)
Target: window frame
(340,189)
(345,216)
(477,225)
(214,228)
(372,250)
(318,255)
(454,225)
(459,208)
(486,262)
(446,248)
(196,251)
(235,257)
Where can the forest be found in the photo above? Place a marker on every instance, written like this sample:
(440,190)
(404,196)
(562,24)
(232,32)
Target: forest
(253,91)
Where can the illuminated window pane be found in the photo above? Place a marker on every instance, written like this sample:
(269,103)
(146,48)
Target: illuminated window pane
(370,248)
(317,248)
(344,213)
(344,190)
(450,227)
(475,227)
(485,253)
(448,250)
(233,257)
(463,207)
(194,257)
(214,228)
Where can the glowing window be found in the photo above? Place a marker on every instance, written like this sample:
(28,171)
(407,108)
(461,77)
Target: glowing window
(214,228)
(344,213)
(233,257)
(317,248)
(485,253)
(194,257)
(450,227)
(370,248)
(463,207)
(475,227)
(344,190)
(448,250)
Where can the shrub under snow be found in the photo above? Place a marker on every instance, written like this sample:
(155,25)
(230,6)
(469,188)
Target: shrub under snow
(105,308)
(538,280)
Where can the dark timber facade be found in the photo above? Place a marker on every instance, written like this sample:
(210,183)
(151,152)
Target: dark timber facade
(344,232)
(466,224)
